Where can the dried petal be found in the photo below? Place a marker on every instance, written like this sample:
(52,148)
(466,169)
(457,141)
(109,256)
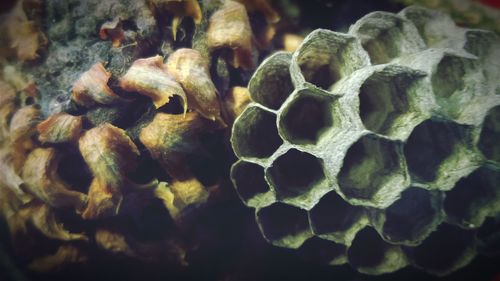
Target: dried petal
(190,69)
(113,242)
(180,196)
(9,178)
(60,128)
(6,112)
(112,30)
(109,153)
(229,27)
(180,9)
(65,255)
(92,87)
(291,42)
(44,219)
(7,93)
(235,102)
(23,123)
(104,200)
(41,179)
(263,7)
(150,77)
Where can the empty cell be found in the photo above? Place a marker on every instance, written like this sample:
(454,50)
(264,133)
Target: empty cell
(271,84)
(333,214)
(473,198)
(448,77)
(255,135)
(249,180)
(385,100)
(296,173)
(489,143)
(322,251)
(368,165)
(307,118)
(284,225)
(445,250)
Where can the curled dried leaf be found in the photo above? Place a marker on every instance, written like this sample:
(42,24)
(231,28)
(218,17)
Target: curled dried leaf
(60,128)
(190,69)
(109,153)
(229,27)
(112,30)
(263,7)
(235,102)
(45,221)
(104,200)
(179,9)
(149,77)
(92,87)
(66,254)
(41,179)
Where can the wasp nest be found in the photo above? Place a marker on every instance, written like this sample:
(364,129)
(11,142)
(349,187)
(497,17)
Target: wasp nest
(379,147)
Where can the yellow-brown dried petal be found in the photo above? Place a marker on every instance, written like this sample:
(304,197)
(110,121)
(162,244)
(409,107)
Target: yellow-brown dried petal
(179,9)
(60,128)
(263,7)
(45,221)
(66,254)
(235,102)
(9,178)
(104,200)
(181,195)
(112,30)
(149,77)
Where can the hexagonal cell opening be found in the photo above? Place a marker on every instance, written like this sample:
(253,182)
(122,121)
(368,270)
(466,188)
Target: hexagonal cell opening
(445,250)
(321,251)
(271,83)
(412,217)
(284,225)
(385,99)
(255,134)
(473,198)
(249,180)
(327,56)
(429,145)
(333,214)
(488,141)
(306,119)
(368,165)
(296,173)
(449,74)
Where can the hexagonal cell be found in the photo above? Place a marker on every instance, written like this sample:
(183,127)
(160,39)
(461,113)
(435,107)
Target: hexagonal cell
(325,57)
(298,178)
(321,251)
(437,153)
(333,218)
(373,171)
(444,251)
(271,83)
(386,101)
(284,225)
(490,134)
(386,36)
(371,255)
(474,198)
(255,135)
(411,218)
(305,119)
(250,183)
(449,77)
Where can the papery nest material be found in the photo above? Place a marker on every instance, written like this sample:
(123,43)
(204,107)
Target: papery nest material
(179,9)
(60,128)
(190,69)
(229,27)
(92,88)
(149,77)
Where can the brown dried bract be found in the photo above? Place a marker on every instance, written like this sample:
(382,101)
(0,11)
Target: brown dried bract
(149,77)
(45,221)
(229,27)
(235,102)
(190,69)
(112,30)
(263,7)
(92,87)
(65,254)
(23,123)
(9,178)
(41,179)
(179,9)
(60,128)
(104,200)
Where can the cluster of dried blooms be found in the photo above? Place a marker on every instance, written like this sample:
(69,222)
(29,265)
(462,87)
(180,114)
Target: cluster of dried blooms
(56,164)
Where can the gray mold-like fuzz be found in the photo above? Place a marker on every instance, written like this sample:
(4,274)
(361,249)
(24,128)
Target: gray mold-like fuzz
(372,147)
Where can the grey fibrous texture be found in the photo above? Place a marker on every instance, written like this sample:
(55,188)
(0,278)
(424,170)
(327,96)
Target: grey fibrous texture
(379,147)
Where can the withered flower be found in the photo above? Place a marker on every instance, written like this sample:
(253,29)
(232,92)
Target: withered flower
(92,87)
(229,27)
(65,254)
(179,9)
(112,30)
(60,128)
(149,77)
(179,196)
(41,179)
(190,69)
(235,102)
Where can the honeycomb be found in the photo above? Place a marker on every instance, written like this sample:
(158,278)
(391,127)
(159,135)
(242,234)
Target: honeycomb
(377,148)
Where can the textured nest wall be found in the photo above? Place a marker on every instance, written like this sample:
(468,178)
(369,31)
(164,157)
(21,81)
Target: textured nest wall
(379,147)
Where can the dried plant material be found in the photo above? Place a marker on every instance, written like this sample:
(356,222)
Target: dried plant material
(190,69)
(7,110)
(45,220)
(114,242)
(109,153)
(9,178)
(60,128)
(41,179)
(92,87)
(66,254)
(180,196)
(263,7)
(149,77)
(229,27)
(23,123)
(7,93)
(104,200)
(291,42)
(179,9)
(112,30)
(235,102)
